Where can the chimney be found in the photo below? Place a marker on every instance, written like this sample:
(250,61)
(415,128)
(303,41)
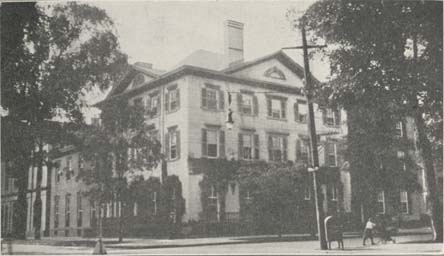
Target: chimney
(234,42)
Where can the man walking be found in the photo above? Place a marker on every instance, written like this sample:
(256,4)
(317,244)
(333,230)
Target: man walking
(368,231)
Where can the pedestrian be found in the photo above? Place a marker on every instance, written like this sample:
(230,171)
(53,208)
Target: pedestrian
(368,231)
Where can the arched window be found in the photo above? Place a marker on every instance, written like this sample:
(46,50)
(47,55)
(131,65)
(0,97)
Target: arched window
(275,73)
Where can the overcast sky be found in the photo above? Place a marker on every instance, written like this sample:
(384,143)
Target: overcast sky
(163,33)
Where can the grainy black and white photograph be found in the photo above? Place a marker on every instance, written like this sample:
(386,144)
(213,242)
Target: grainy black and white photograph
(222,127)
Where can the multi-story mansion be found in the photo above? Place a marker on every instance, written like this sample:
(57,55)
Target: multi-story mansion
(187,108)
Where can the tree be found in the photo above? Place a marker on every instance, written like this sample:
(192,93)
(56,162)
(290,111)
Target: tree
(275,189)
(386,64)
(51,57)
(119,150)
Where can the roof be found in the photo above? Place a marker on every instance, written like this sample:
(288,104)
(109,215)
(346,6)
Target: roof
(206,64)
(145,68)
(204,59)
(192,70)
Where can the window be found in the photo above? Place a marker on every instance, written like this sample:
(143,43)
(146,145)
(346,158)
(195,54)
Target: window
(248,196)
(399,129)
(248,146)
(138,102)
(138,80)
(401,156)
(135,209)
(404,202)
(275,73)
(81,163)
(172,99)
(246,106)
(331,117)
(67,210)
(79,209)
(330,154)
(68,168)
(152,104)
(334,193)
(56,211)
(155,103)
(172,143)
(381,202)
(302,151)
(213,142)
(301,111)
(277,148)
(277,107)
(93,206)
(307,192)
(58,171)
(154,203)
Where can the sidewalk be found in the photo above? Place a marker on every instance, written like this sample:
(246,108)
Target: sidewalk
(146,243)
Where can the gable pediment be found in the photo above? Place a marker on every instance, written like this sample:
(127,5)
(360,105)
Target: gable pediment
(272,70)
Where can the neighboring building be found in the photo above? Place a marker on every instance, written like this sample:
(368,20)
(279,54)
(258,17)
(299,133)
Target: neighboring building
(71,213)
(407,202)
(9,197)
(187,108)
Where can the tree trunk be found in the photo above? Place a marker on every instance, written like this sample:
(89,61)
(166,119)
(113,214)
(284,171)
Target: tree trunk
(121,222)
(426,153)
(38,194)
(427,156)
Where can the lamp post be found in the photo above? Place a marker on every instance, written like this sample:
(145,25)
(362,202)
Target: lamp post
(313,139)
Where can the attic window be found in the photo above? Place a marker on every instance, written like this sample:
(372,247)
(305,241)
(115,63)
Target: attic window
(275,73)
(138,80)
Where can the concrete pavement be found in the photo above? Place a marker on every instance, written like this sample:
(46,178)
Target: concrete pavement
(413,241)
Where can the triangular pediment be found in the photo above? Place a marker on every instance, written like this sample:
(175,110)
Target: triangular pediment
(277,68)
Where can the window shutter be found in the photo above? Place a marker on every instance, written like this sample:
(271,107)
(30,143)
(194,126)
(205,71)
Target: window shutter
(326,146)
(147,105)
(204,97)
(283,108)
(324,116)
(239,102)
(404,129)
(284,150)
(256,146)
(178,98)
(240,146)
(178,144)
(338,117)
(167,145)
(204,143)
(270,145)
(296,112)
(158,105)
(255,105)
(269,106)
(409,200)
(167,101)
(221,144)
(298,150)
(221,100)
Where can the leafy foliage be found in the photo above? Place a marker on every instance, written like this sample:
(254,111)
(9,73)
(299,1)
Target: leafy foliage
(51,56)
(386,65)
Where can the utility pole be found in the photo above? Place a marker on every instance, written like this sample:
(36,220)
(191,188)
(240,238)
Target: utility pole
(313,138)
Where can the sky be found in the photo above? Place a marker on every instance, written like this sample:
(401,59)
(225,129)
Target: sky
(163,33)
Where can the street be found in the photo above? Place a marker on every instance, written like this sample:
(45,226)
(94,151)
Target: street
(407,244)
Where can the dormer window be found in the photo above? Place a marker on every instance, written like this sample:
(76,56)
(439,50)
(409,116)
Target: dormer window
(275,73)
